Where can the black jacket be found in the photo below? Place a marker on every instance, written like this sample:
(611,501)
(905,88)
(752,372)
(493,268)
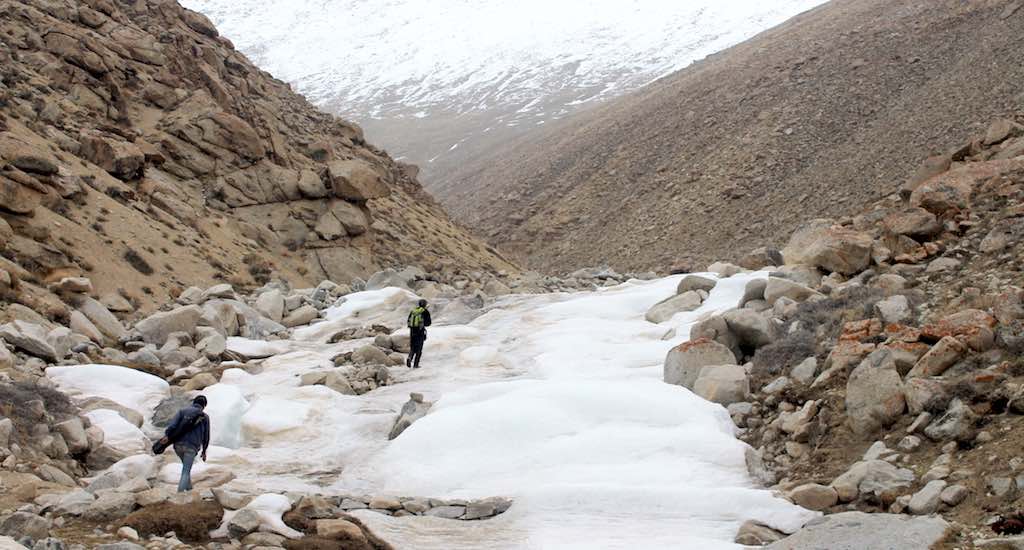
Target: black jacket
(193,426)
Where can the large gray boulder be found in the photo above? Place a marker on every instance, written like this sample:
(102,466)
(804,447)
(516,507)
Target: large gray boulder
(684,362)
(723,384)
(832,248)
(303,315)
(752,329)
(715,328)
(157,327)
(860,531)
(667,308)
(33,339)
(100,316)
(777,287)
(25,524)
(414,409)
(956,424)
(695,282)
(73,432)
(271,305)
(871,477)
(874,393)
(110,506)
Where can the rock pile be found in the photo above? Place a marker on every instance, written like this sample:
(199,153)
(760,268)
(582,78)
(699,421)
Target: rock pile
(877,368)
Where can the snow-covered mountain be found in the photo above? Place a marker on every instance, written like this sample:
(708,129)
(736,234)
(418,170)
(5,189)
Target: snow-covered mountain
(425,78)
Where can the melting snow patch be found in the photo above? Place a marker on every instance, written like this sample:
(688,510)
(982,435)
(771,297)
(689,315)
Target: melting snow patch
(131,388)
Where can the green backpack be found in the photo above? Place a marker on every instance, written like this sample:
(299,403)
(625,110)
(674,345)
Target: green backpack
(416,317)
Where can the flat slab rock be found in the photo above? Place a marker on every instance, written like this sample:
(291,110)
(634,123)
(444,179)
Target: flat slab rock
(860,531)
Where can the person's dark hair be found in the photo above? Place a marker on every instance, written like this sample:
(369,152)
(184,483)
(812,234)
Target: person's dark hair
(199,400)
(423,303)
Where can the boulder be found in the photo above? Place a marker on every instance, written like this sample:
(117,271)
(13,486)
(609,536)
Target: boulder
(841,251)
(27,157)
(695,282)
(894,310)
(110,506)
(940,357)
(271,305)
(340,529)
(861,531)
(80,324)
(927,500)
(761,257)
(723,384)
(389,278)
(667,308)
(956,424)
(871,477)
(724,269)
(916,223)
(776,288)
(715,328)
(100,316)
(74,503)
(18,198)
(245,521)
(926,394)
(73,432)
(951,191)
(370,355)
(157,327)
(805,371)
(72,285)
(414,409)
(753,291)
(874,393)
(25,524)
(351,220)
(121,159)
(752,329)
(32,339)
(356,180)
(684,362)
(752,533)
(971,326)
(303,315)
(814,497)
(1001,130)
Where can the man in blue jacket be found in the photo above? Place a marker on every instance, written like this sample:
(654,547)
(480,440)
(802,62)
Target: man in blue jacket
(189,431)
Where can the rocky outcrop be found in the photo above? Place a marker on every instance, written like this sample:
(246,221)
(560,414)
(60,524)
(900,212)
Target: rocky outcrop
(138,147)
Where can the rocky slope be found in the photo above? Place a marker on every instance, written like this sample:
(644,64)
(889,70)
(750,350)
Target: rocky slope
(139,148)
(816,117)
(878,368)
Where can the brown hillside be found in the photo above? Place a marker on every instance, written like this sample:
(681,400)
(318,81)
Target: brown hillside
(816,117)
(137,147)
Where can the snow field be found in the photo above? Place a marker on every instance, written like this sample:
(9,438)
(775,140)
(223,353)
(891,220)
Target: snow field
(553,400)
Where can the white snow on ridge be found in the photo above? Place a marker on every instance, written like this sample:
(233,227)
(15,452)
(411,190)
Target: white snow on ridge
(396,58)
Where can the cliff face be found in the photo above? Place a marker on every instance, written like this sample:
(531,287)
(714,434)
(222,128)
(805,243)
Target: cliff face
(816,117)
(137,147)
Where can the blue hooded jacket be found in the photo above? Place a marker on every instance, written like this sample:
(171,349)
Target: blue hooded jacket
(197,435)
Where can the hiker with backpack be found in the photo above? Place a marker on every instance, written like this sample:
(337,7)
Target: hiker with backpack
(189,432)
(419,320)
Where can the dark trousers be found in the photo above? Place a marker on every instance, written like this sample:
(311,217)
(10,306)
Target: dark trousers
(416,340)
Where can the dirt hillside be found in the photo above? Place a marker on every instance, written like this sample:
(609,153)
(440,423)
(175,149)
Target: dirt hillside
(816,117)
(138,148)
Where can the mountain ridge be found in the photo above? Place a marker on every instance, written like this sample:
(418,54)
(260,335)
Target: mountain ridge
(815,117)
